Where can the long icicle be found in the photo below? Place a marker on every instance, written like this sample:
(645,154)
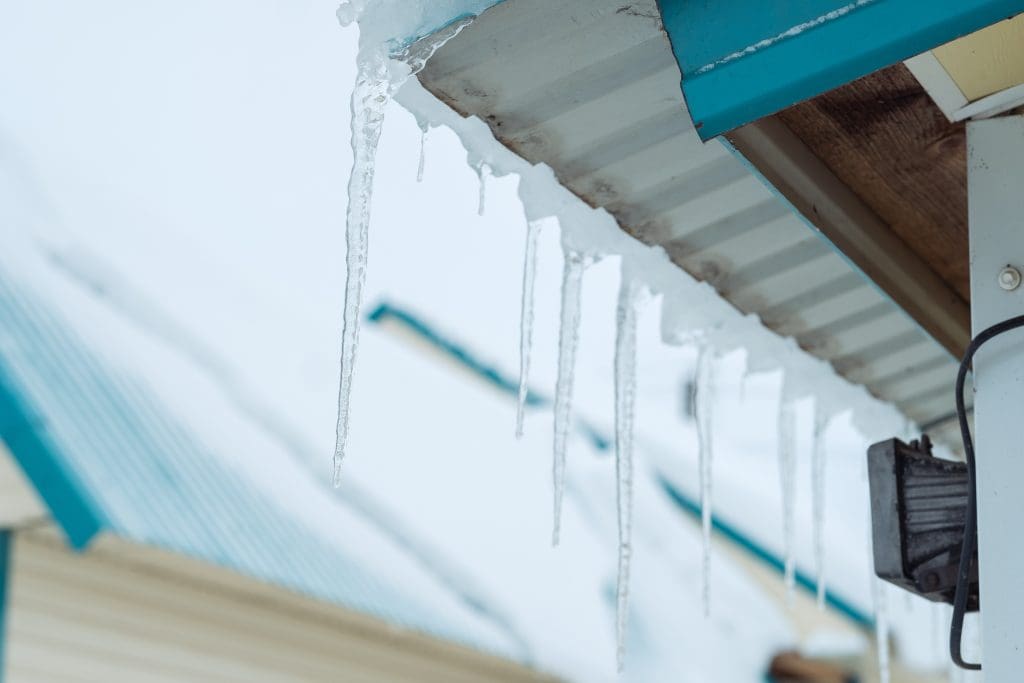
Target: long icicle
(369,99)
(568,340)
(704,404)
(787,482)
(526,321)
(881,610)
(818,461)
(375,84)
(625,399)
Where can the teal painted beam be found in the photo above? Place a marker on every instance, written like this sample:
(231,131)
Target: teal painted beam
(766,557)
(385,312)
(5,563)
(26,435)
(745,59)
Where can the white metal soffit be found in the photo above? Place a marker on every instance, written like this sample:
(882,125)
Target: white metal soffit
(591,88)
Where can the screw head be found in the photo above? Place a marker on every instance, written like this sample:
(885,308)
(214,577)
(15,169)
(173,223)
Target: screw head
(1009,278)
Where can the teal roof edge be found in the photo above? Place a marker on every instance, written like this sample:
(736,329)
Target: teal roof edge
(25,435)
(743,60)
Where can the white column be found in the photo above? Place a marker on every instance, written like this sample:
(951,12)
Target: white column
(995,165)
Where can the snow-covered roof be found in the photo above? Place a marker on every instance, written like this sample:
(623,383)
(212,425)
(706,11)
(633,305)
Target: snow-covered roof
(105,455)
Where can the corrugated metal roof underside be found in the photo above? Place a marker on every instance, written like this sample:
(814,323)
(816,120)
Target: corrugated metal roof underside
(147,478)
(592,90)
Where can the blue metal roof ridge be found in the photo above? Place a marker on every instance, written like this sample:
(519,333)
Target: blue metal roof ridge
(26,436)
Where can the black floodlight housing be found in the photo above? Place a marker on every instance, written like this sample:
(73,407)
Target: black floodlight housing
(918,506)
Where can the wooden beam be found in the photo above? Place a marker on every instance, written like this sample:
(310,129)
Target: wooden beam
(842,218)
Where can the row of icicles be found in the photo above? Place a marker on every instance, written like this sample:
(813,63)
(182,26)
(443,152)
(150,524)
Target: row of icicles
(630,295)
(375,84)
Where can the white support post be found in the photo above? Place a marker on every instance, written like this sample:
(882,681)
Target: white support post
(996,218)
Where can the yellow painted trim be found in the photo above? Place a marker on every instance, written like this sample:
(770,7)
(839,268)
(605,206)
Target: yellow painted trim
(986,61)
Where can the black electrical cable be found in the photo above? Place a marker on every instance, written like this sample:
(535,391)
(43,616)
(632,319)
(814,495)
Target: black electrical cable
(970,517)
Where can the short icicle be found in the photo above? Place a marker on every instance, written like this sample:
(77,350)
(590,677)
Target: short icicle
(568,340)
(625,400)
(483,172)
(424,132)
(369,99)
(818,462)
(704,399)
(881,628)
(787,481)
(526,321)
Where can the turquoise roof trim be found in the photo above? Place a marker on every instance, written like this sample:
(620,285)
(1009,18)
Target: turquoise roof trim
(491,374)
(28,438)
(746,59)
(105,455)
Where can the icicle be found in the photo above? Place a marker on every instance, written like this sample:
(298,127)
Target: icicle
(526,321)
(483,172)
(881,628)
(369,99)
(787,481)
(625,395)
(375,84)
(568,340)
(424,131)
(877,585)
(818,457)
(704,401)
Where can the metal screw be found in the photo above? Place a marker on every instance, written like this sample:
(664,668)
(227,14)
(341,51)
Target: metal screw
(1009,278)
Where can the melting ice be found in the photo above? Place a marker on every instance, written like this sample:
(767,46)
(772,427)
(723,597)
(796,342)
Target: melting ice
(625,400)
(483,172)
(369,99)
(818,457)
(704,402)
(787,481)
(881,628)
(424,132)
(526,321)
(568,340)
(376,82)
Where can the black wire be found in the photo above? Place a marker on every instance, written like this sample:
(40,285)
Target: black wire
(970,517)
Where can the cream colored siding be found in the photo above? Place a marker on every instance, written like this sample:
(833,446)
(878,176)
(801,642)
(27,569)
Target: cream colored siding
(19,503)
(125,613)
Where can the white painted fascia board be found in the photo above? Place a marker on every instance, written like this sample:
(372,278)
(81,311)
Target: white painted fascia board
(937,82)
(992,105)
(947,95)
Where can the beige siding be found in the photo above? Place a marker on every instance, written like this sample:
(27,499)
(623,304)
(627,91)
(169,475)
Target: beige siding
(19,503)
(124,613)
